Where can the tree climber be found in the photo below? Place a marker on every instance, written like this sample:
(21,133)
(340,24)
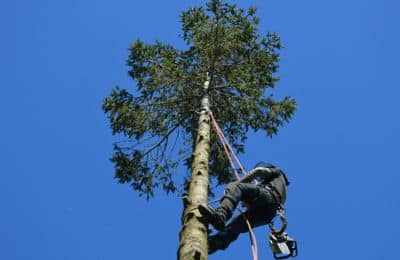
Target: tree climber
(262,191)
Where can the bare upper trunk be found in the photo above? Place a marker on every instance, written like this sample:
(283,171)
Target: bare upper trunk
(193,235)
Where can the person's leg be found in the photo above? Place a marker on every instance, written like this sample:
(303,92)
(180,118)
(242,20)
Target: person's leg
(234,192)
(238,225)
(261,212)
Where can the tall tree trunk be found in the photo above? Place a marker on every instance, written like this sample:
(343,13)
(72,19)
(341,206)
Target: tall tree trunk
(193,235)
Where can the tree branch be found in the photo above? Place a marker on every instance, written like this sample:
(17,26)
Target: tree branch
(163,139)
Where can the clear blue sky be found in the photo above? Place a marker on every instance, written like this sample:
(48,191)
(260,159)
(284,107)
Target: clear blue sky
(58,198)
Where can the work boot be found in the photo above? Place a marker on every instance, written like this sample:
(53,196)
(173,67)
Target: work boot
(216,217)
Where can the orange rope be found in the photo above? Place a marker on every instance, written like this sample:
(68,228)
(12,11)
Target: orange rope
(228,150)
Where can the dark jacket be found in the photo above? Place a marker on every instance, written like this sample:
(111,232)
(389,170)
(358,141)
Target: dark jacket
(279,184)
(272,177)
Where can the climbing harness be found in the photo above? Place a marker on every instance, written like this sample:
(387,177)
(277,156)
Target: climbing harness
(282,245)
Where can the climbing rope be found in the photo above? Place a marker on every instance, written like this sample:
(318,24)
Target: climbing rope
(229,151)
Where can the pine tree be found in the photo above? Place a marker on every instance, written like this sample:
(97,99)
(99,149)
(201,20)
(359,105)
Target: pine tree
(227,66)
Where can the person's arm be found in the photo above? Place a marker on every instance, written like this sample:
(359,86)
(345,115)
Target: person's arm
(266,174)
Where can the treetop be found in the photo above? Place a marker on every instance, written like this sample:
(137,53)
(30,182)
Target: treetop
(157,121)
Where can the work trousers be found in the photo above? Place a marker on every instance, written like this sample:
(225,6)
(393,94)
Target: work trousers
(261,209)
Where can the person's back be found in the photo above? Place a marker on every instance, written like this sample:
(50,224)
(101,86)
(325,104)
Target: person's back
(276,180)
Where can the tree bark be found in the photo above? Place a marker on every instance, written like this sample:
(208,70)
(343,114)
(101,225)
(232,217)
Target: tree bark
(193,234)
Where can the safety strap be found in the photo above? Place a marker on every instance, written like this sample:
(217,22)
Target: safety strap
(281,213)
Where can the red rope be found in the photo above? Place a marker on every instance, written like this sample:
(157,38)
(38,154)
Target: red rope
(226,143)
(228,150)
